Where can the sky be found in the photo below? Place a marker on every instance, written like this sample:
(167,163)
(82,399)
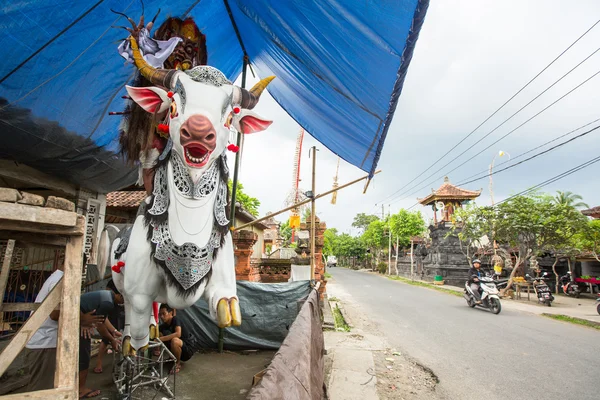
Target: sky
(471,57)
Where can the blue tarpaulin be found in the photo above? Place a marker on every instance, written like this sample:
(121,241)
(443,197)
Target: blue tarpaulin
(340,67)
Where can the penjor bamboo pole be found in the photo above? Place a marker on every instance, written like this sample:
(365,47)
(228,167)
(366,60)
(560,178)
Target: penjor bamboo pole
(313,216)
(237,228)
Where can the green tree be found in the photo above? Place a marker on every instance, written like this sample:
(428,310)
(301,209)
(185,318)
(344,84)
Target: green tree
(588,239)
(375,238)
(405,224)
(286,232)
(570,199)
(329,242)
(249,203)
(362,221)
(532,224)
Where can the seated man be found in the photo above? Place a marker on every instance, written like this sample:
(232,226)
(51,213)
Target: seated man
(474,274)
(174,337)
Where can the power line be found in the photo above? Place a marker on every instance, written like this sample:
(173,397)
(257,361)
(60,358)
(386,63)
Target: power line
(553,179)
(531,150)
(532,157)
(497,110)
(501,138)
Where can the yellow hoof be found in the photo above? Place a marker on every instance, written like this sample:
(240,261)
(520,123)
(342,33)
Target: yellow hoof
(126,348)
(236,314)
(223,314)
(154,332)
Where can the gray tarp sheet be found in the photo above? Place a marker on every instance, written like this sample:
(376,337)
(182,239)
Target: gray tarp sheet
(268,311)
(297,369)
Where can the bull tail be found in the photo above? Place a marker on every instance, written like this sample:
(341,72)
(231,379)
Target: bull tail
(103,252)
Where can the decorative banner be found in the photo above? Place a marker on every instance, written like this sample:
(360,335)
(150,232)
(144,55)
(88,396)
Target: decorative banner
(294,221)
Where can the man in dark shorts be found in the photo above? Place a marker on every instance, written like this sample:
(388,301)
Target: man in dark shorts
(174,336)
(117,319)
(103,302)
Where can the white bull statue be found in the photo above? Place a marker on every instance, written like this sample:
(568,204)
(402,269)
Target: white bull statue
(181,249)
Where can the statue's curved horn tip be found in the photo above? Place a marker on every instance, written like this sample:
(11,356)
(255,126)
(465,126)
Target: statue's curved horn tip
(261,85)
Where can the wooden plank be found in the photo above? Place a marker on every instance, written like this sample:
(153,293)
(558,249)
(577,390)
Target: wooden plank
(34,238)
(30,327)
(76,230)
(50,394)
(16,307)
(41,215)
(67,349)
(31,176)
(5,272)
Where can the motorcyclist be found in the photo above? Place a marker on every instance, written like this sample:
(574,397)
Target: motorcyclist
(475,272)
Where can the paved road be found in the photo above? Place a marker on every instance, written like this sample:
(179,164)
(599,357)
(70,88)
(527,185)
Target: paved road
(474,353)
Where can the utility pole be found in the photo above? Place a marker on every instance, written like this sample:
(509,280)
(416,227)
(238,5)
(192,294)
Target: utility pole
(397,253)
(313,215)
(389,244)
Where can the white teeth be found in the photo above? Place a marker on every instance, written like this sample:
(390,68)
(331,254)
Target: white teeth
(195,159)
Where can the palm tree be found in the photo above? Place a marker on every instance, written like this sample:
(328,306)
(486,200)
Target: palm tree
(569,199)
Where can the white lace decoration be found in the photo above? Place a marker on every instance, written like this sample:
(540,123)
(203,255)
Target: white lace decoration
(184,184)
(188,263)
(206,74)
(160,204)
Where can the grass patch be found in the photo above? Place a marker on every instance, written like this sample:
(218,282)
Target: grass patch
(327,275)
(573,320)
(340,322)
(425,284)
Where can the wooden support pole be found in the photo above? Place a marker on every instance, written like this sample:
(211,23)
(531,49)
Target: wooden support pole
(313,216)
(67,346)
(30,327)
(237,228)
(8,253)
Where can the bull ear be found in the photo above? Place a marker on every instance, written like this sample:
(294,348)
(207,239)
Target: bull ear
(250,122)
(152,99)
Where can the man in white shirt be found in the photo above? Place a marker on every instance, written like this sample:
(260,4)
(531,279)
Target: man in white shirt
(41,356)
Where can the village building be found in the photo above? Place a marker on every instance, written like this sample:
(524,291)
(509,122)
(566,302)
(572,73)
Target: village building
(443,256)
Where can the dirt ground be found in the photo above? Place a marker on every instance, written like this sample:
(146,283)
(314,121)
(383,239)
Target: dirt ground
(400,378)
(207,376)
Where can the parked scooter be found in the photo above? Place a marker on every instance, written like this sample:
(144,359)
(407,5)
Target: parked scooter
(598,303)
(489,295)
(569,287)
(542,290)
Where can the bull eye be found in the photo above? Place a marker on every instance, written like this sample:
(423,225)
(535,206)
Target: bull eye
(173,110)
(229,119)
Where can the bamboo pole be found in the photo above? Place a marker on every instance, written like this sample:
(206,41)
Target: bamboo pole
(313,216)
(237,228)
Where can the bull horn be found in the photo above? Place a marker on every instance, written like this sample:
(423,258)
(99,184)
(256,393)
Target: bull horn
(159,77)
(250,98)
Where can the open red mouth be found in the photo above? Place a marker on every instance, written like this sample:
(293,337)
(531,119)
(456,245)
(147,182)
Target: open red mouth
(196,155)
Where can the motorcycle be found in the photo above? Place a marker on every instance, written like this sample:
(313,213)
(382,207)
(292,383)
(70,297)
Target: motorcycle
(489,295)
(598,303)
(569,287)
(541,289)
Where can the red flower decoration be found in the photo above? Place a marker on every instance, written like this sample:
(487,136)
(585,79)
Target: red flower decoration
(163,128)
(117,268)
(170,95)
(236,110)
(233,148)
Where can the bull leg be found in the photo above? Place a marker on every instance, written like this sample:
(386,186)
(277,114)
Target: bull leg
(126,346)
(141,308)
(154,333)
(221,291)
